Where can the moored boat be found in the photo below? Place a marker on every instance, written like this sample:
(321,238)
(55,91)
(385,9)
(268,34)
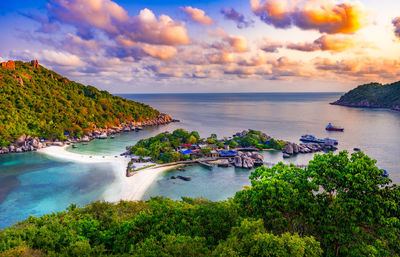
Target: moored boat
(311,139)
(331,127)
(385,174)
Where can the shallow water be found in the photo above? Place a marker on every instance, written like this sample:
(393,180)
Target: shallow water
(33,184)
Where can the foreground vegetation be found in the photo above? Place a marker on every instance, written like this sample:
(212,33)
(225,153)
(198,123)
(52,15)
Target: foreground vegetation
(47,105)
(338,206)
(164,147)
(373,95)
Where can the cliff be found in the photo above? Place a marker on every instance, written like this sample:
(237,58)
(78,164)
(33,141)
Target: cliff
(373,95)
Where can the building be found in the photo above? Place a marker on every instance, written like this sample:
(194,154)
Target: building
(224,153)
(214,153)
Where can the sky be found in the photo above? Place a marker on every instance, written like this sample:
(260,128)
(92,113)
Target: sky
(207,46)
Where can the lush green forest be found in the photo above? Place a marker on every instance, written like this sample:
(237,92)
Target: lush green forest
(39,102)
(339,206)
(373,95)
(164,147)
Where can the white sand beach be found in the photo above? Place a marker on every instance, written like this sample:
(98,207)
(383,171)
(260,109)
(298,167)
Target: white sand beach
(123,188)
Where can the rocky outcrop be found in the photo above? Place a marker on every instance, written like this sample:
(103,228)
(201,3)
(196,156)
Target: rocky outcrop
(247,160)
(35,63)
(26,143)
(291,149)
(8,65)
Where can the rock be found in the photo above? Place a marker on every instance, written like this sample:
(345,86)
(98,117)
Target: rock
(5,150)
(35,63)
(20,81)
(248,163)
(285,155)
(21,140)
(288,148)
(103,135)
(58,143)
(296,148)
(237,161)
(35,142)
(85,139)
(184,178)
(257,156)
(173,177)
(19,150)
(8,65)
(11,148)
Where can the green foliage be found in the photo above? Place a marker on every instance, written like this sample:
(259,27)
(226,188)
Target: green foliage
(251,239)
(170,157)
(343,202)
(338,206)
(46,107)
(373,95)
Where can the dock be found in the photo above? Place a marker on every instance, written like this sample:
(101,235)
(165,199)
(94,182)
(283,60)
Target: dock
(205,164)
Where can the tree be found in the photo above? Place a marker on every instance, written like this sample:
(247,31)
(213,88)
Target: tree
(251,239)
(192,140)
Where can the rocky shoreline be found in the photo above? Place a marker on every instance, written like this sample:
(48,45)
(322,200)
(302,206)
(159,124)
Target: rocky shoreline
(28,143)
(365,104)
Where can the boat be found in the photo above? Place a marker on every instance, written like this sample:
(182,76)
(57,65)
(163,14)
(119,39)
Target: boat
(331,127)
(74,146)
(385,174)
(112,137)
(356,149)
(311,139)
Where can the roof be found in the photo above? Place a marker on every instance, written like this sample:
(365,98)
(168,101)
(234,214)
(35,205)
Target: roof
(227,153)
(186,151)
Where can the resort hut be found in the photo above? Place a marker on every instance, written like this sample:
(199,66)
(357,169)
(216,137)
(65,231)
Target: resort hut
(214,154)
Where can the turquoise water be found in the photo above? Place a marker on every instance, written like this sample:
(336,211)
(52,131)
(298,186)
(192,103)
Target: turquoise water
(32,184)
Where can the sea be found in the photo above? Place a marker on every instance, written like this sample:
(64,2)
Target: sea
(36,184)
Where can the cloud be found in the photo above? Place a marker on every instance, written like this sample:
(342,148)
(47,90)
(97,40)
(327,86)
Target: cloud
(162,52)
(334,43)
(220,58)
(114,21)
(270,46)
(366,68)
(326,16)
(396,24)
(197,15)
(238,18)
(230,43)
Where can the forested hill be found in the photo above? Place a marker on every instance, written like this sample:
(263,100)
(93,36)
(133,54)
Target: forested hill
(39,102)
(373,95)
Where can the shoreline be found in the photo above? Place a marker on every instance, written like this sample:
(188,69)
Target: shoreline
(122,188)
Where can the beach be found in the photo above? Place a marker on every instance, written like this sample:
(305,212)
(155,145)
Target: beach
(123,188)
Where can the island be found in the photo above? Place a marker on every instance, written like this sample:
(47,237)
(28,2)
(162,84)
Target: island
(39,107)
(373,95)
(240,150)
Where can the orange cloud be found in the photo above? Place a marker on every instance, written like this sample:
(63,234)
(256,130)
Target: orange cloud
(367,68)
(334,43)
(162,52)
(326,16)
(197,15)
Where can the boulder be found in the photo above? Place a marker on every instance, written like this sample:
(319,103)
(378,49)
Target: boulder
(11,148)
(58,143)
(21,140)
(257,156)
(296,148)
(35,63)
(248,163)
(288,148)
(103,135)
(19,150)
(85,139)
(285,155)
(8,65)
(5,150)
(237,161)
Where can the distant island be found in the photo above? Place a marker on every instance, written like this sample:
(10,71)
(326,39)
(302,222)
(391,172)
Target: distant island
(39,107)
(373,95)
